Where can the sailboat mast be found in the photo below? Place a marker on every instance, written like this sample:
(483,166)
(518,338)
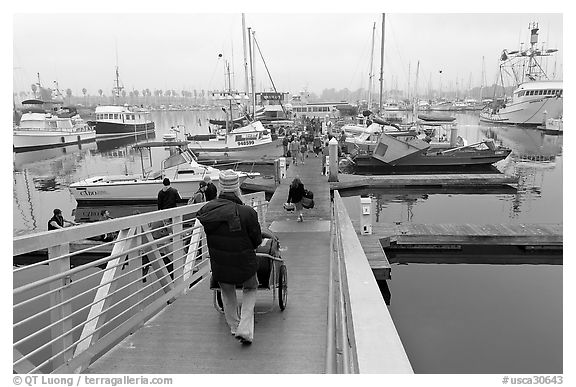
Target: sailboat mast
(371,75)
(252,73)
(246,87)
(482,81)
(382,61)
(229,115)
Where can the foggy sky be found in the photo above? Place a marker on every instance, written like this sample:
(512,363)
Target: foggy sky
(313,51)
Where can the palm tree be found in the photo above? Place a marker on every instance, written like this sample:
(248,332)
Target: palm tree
(84,91)
(34,89)
(100,92)
(69,94)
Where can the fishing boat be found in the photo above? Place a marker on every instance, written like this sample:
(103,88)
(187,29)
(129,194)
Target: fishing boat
(239,141)
(121,120)
(184,172)
(535,97)
(47,124)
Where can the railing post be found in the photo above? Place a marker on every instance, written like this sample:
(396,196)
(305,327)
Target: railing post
(178,251)
(333,164)
(59,295)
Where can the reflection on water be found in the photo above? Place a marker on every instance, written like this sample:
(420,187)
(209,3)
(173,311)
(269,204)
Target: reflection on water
(479,318)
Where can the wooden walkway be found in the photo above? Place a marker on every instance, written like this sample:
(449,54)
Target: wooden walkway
(189,336)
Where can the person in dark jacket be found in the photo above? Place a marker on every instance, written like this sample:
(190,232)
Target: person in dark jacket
(233,233)
(295,195)
(57,221)
(168,196)
(211,190)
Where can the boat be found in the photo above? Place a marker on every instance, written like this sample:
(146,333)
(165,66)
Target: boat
(536,97)
(553,126)
(233,141)
(243,141)
(118,120)
(47,124)
(184,172)
(413,151)
(436,117)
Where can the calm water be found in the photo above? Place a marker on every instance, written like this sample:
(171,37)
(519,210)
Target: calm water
(451,318)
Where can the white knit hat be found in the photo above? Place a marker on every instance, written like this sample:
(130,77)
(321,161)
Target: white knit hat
(228,181)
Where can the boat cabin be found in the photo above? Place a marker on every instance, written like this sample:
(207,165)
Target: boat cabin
(121,114)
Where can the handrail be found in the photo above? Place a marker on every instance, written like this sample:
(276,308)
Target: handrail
(366,338)
(68,317)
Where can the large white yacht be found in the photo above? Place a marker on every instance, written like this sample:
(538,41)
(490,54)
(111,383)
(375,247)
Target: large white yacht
(536,97)
(46,124)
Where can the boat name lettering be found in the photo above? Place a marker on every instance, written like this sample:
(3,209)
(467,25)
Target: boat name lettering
(90,193)
(246,136)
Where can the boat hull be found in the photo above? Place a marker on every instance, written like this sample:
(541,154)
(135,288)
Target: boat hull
(113,129)
(531,112)
(31,140)
(125,189)
(214,149)
(455,160)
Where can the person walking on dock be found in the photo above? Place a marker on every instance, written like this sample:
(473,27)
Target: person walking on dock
(294,150)
(168,196)
(295,195)
(233,234)
(303,148)
(211,190)
(57,221)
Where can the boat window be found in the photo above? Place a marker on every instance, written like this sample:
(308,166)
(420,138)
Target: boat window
(520,94)
(115,116)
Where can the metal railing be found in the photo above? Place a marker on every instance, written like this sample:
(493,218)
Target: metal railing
(84,296)
(362,337)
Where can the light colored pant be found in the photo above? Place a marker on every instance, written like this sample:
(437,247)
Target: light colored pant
(243,324)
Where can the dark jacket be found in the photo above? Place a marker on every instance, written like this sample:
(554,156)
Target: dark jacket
(211,192)
(233,233)
(168,198)
(59,220)
(295,194)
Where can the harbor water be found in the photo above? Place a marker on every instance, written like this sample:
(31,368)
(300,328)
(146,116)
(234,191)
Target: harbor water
(451,318)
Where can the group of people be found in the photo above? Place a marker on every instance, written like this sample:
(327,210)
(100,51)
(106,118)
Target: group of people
(300,146)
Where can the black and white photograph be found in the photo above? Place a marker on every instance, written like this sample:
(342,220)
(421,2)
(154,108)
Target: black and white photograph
(297,188)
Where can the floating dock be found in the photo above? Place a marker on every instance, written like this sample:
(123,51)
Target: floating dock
(506,244)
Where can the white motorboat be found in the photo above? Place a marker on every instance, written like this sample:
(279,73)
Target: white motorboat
(536,97)
(184,172)
(44,125)
(240,141)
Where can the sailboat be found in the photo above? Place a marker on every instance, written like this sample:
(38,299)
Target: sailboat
(236,139)
(536,97)
(371,124)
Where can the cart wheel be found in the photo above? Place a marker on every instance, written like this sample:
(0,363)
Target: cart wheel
(218,304)
(283,287)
